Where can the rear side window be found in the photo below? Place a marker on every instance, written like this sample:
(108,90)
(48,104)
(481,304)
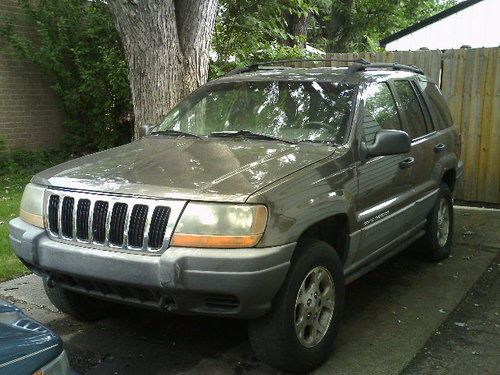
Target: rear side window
(380,111)
(411,108)
(440,112)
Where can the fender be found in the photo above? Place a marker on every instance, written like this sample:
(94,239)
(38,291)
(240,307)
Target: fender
(445,163)
(306,197)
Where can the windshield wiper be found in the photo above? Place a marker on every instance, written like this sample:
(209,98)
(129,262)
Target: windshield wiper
(248,134)
(176,133)
(331,143)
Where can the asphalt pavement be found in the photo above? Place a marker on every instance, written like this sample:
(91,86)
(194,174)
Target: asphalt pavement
(405,317)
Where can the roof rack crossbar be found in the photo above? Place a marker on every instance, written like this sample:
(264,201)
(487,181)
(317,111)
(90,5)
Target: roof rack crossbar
(394,66)
(255,66)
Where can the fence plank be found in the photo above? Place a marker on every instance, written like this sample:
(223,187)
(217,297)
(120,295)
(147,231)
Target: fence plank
(489,155)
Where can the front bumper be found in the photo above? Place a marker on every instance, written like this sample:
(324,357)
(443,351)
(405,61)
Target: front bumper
(223,282)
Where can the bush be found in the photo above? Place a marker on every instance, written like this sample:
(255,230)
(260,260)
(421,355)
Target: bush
(21,162)
(77,44)
(222,66)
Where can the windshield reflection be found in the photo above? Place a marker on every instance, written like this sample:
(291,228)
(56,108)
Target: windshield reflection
(290,110)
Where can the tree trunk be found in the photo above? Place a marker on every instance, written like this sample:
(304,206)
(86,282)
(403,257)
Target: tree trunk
(167,45)
(297,27)
(337,29)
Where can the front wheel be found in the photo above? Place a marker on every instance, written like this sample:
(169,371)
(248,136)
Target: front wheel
(297,334)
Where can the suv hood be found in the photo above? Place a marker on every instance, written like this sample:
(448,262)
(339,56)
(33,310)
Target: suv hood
(185,168)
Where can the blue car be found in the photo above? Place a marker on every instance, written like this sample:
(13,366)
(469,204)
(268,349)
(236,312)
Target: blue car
(27,347)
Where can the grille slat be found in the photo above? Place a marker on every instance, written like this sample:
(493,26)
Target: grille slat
(67,217)
(135,224)
(82,219)
(158,226)
(99,221)
(117,224)
(54,213)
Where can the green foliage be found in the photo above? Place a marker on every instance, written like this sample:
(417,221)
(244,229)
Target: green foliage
(364,22)
(252,26)
(77,44)
(16,169)
(276,51)
(253,30)
(11,190)
(23,163)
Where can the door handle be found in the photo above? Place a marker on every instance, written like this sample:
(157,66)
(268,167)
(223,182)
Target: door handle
(407,163)
(440,147)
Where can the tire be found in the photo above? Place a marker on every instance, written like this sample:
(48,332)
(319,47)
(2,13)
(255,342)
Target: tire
(77,305)
(274,338)
(436,243)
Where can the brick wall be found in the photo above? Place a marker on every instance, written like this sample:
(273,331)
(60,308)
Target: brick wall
(30,116)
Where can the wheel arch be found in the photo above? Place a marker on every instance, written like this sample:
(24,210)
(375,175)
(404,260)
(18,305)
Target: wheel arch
(449,178)
(333,230)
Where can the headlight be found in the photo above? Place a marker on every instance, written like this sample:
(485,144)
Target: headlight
(220,225)
(32,205)
(59,366)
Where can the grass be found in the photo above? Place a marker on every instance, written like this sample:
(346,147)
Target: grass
(11,190)
(16,168)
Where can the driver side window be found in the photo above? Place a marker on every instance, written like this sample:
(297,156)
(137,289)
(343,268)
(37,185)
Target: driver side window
(380,111)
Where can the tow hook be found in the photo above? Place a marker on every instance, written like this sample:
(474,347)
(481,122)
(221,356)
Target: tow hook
(50,280)
(166,303)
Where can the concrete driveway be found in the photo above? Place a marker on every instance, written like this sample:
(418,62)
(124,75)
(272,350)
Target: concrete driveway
(392,318)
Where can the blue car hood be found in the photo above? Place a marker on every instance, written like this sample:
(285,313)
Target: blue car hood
(25,344)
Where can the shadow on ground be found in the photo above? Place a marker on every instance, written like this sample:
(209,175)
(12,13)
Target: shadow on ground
(139,341)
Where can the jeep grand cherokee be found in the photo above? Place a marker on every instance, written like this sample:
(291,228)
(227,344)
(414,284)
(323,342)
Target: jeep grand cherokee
(258,197)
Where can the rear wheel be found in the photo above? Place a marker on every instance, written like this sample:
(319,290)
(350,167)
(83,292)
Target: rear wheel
(298,333)
(436,243)
(77,305)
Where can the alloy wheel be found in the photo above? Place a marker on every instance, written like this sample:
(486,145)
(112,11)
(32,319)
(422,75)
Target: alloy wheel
(314,307)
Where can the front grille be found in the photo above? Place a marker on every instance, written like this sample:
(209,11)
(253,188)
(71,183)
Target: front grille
(114,291)
(111,221)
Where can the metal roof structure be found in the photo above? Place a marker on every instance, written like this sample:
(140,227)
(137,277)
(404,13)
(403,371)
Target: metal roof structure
(428,21)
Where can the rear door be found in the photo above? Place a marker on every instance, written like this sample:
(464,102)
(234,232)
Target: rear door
(417,123)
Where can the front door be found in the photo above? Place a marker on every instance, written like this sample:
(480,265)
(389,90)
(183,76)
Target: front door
(384,206)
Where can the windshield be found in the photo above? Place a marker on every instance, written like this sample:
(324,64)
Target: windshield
(287,110)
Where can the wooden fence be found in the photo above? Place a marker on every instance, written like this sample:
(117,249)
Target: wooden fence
(470,82)
(471,85)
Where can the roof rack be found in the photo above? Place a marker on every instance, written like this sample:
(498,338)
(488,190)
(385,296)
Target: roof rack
(254,67)
(358,65)
(394,66)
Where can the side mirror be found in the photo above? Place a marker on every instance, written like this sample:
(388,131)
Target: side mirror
(387,142)
(145,130)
